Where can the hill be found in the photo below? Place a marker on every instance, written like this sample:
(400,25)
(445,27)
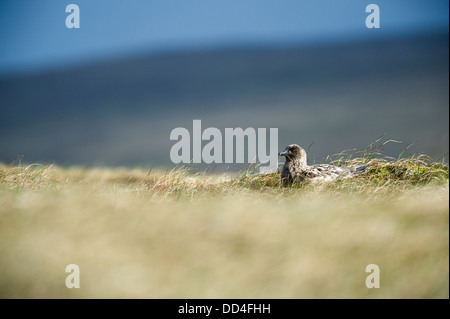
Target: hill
(122,112)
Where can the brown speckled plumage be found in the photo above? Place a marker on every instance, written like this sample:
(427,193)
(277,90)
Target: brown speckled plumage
(296,168)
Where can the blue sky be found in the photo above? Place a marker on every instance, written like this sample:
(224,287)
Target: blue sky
(33,35)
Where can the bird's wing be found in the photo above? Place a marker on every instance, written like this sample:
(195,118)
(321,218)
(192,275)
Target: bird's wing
(325,172)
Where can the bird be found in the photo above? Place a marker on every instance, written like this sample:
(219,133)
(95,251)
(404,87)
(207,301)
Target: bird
(296,168)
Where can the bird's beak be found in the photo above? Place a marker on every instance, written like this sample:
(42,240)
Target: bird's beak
(282,153)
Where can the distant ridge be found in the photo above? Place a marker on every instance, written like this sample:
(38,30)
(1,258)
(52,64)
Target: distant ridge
(116,112)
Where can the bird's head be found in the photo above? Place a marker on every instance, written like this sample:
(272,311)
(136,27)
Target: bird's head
(294,153)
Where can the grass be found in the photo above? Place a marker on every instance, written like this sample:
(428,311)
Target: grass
(180,234)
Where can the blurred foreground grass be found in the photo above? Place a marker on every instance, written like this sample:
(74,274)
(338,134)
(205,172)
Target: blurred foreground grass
(139,234)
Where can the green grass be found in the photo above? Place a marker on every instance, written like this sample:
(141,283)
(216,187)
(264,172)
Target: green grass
(181,234)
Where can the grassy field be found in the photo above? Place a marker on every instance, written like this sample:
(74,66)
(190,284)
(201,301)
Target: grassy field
(178,234)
